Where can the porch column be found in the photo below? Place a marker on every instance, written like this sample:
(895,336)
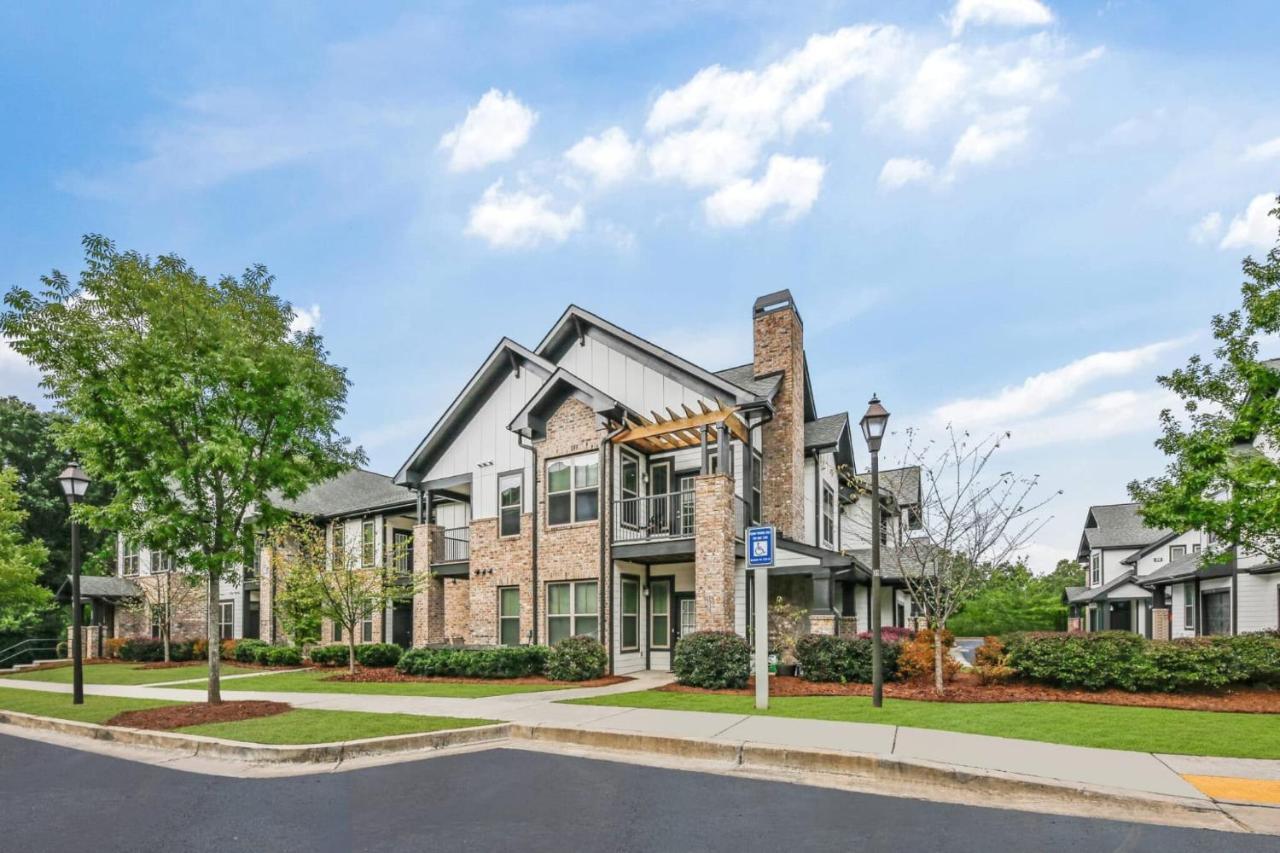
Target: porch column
(714,553)
(724,450)
(428,600)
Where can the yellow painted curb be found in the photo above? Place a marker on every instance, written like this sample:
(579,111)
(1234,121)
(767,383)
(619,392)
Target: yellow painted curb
(1232,789)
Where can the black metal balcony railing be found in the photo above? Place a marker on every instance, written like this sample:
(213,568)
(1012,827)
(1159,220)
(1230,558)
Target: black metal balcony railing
(457,545)
(653,517)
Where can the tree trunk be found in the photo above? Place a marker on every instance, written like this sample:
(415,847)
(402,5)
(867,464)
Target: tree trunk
(215,644)
(351,651)
(937,661)
(164,635)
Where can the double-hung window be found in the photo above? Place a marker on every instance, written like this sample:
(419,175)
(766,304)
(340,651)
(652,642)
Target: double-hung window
(510,488)
(509,615)
(341,559)
(226,619)
(573,489)
(828,515)
(1097,570)
(162,562)
(1189,606)
(368,543)
(571,610)
(630,613)
(366,629)
(129,558)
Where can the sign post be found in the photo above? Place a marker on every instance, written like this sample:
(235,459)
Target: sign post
(760,546)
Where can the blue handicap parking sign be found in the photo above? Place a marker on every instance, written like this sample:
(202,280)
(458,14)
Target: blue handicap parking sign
(760,546)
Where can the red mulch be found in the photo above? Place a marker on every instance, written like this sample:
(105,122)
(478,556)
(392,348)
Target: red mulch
(388,674)
(966,688)
(195,714)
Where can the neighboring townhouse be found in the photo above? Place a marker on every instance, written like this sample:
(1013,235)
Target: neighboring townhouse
(599,484)
(1163,589)
(365,510)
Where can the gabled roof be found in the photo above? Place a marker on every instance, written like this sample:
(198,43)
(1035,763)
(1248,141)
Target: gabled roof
(744,376)
(831,431)
(903,484)
(1132,559)
(506,356)
(1116,526)
(1098,591)
(575,323)
(1183,569)
(351,492)
(530,421)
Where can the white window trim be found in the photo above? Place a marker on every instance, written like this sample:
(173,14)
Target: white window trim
(368,543)
(828,513)
(518,476)
(573,462)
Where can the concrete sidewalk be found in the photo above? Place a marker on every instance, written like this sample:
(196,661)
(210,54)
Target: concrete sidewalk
(1138,772)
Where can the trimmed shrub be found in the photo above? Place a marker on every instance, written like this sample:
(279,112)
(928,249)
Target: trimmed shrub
(332,655)
(142,650)
(488,662)
(842,659)
(279,656)
(715,660)
(916,659)
(378,654)
(579,658)
(248,651)
(1093,661)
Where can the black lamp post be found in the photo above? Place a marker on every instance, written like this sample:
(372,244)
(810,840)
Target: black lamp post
(873,427)
(74,483)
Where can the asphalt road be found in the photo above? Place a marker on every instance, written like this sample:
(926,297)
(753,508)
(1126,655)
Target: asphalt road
(53,799)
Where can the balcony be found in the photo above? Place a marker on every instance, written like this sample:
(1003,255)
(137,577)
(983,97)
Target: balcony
(653,517)
(457,545)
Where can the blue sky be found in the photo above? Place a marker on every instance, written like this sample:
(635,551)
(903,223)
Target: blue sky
(1008,213)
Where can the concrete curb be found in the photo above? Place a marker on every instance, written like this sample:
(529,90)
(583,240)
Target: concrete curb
(1001,788)
(208,747)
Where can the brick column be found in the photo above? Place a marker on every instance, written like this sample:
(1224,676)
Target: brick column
(428,601)
(1160,623)
(822,625)
(714,556)
(266,600)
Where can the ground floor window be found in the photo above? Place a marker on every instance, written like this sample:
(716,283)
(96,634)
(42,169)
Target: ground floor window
(630,614)
(337,633)
(226,619)
(366,629)
(509,615)
(1189,606)
(572,610)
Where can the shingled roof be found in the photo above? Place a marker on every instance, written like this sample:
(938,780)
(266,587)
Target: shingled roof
(825,431)
(744,376)
(354,491)
(903,484)
(1117,526)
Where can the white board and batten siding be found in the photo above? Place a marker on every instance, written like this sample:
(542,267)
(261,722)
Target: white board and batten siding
(485,447)
(627,379)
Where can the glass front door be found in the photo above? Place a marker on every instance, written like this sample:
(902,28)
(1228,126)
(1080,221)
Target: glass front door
(686,621)
(660,511)
(686,505)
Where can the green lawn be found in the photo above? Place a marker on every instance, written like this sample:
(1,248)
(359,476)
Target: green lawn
(96,709)
(1077,724)
(312,681)
(123,673)
(311,726)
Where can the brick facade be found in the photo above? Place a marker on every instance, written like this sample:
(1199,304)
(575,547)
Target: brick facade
(779,347)
(499,561)
(1160,623)
(714,557)
(428,599)
(189,618)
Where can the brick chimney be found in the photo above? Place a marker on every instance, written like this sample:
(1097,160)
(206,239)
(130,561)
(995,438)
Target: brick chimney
(779,349)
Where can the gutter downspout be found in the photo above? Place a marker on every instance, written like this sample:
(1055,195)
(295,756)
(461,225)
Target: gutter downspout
(606,530)
(533,534)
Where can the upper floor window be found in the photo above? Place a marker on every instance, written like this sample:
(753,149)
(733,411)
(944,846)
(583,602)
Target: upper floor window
(1195,549)
(402,550)
(130,558)
(1096,577)
(573,489)
(340,556)
(510,487)
(368,543)
(828,515)
(1176,551)
(162,562)
(757,487)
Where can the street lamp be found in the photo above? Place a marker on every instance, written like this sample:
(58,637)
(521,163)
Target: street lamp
(874,423)
(74,484)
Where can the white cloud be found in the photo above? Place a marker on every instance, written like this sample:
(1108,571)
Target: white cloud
(521,220)
(900,171)
(1024,79)
(1256,228)
(1008,13)
(1094,419)
(1038,393)
(989,137)
(713,129)
(493,131)
(18,377)
(935,89)
(305,319)
(1263,150)
(609,157)
(791,183)
(1207,229)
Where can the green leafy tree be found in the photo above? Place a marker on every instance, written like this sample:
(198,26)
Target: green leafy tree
(192,398)
(22,599)
(1012,598)
(1222,474)
(27,444)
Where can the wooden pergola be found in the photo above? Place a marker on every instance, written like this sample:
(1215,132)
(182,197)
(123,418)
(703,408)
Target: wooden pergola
(676,431)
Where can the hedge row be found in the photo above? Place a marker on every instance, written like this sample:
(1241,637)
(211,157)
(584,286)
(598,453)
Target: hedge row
(493,662)
(1118,659)
(258,651)
(147,650)
(367,654)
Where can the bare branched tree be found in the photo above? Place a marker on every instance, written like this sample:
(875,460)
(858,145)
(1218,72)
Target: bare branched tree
(169,595)
(970,518)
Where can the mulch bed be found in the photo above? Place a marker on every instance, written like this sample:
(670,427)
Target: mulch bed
(390,675)
(966,688)
(195,714)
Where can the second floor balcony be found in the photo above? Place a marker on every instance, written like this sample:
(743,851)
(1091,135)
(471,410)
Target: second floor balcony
(457,545)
